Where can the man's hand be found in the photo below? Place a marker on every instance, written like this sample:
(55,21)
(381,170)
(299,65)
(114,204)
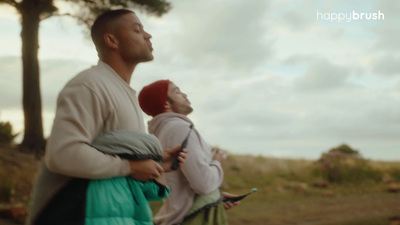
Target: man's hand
(169,155)
(145,170)
(229,205)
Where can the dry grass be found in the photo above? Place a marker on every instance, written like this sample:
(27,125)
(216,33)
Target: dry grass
(17,171)
(286,195)
(285,192)
(289,207)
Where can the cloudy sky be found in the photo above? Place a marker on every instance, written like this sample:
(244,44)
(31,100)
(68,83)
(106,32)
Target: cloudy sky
(281,78)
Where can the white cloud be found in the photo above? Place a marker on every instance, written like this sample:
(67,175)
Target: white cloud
(231,34)
(10,83)
(323,76)
(388,65)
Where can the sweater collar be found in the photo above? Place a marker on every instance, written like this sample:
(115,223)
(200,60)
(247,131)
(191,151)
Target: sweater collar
(118,77)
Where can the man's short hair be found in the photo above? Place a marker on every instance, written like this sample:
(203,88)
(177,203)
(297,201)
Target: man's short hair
(101,24)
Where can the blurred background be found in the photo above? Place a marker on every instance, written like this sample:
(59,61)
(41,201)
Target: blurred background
(272,78)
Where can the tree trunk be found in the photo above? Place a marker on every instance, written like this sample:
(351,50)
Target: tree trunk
(33,135)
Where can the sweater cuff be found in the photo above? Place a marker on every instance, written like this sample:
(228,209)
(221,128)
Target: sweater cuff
(126,168)
(216,162)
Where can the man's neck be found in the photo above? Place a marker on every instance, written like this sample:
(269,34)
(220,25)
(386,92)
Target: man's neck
(123,69)
(124,72)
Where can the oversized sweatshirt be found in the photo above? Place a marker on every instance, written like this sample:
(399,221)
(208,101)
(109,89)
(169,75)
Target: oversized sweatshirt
(197,175)
(94,102)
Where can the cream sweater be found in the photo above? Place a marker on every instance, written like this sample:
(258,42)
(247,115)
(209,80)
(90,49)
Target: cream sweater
(197,176)
(94,102)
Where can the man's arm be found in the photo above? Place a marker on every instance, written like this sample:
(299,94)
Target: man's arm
(202,175)
(79,119)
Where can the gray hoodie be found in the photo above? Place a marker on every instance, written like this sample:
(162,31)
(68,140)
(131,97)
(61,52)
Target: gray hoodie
(197,175)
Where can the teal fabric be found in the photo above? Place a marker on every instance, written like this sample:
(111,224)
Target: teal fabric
(121,200)
(124,200)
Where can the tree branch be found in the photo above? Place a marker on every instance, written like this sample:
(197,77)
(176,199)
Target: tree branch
(11,2)
(57,14)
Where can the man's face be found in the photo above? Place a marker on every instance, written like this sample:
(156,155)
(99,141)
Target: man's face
(134,43)
(178,100)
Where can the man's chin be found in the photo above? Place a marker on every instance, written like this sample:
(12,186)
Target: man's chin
(189,110)
(148,58)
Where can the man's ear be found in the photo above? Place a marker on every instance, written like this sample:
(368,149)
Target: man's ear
(110,40)
(168,106)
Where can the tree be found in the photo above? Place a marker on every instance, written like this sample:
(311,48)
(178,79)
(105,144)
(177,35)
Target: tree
(32,12)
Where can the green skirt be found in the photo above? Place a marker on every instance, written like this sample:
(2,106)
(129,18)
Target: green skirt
(213,216)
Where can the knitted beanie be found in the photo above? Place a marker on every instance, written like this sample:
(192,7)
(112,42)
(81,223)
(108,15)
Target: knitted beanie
(152,98)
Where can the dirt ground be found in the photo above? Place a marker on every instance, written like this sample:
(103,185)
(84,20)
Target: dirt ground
(7,222)
(370,209)
(373,209)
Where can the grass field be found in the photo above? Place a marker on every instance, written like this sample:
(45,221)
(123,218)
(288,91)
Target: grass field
(286,194)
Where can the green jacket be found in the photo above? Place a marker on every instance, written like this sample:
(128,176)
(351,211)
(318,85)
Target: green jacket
(113,201)
(121,201)
(124,200)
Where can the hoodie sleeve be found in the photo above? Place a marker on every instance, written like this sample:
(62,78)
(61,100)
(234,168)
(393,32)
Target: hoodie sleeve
(203,174)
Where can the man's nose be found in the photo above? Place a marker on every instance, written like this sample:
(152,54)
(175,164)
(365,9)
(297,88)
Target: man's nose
(147,35)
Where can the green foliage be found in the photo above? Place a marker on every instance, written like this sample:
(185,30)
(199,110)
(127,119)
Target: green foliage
(6,134)
(395,174)
(89,10)
(345,165)
(345,149)
(6,188)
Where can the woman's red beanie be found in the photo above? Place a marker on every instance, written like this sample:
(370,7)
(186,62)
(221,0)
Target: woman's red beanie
(152,98)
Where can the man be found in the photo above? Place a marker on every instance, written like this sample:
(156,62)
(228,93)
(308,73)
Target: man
(96,101)
(201,175)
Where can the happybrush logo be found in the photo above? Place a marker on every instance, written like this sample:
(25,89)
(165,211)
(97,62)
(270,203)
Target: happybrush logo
(348,17)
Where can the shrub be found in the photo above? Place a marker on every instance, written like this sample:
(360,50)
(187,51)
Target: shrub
(346,150)
(6,188)
(6,133)
(345,165)
(395,174)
